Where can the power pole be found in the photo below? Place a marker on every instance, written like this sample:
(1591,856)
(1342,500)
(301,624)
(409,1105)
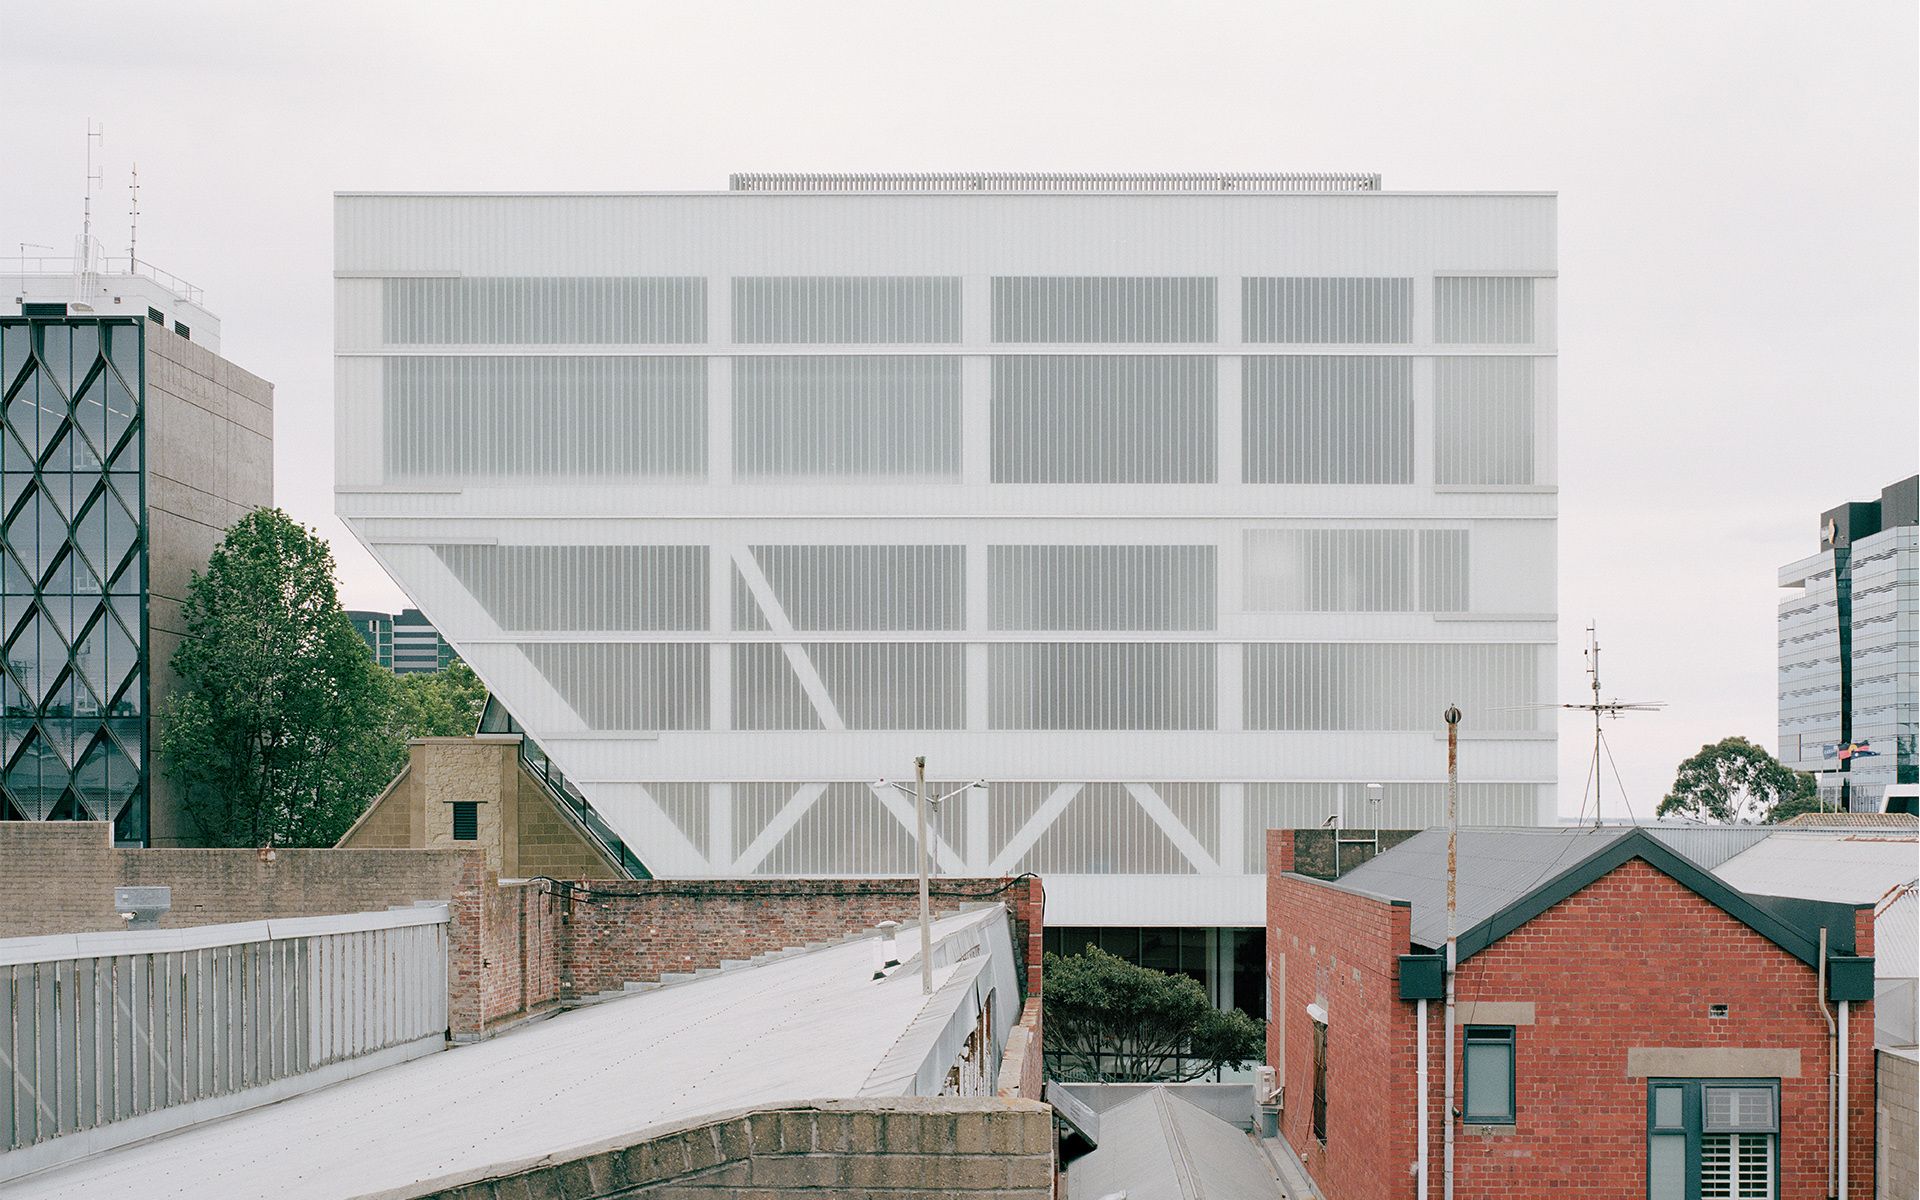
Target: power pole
(1452,718)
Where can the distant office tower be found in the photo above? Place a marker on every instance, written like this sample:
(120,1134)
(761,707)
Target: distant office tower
(1175,507)
(129,448)
(1850,651)
(376,628)
(406,644)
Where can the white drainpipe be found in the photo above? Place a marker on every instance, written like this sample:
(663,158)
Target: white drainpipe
(1821,976)
(1420,1044)
(1844,1005)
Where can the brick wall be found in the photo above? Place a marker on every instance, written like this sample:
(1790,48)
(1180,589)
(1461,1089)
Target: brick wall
(910,1148)
(59,876)
(1341,952)
(621,931)
(1632,961)
(504,955)
(1023,1068)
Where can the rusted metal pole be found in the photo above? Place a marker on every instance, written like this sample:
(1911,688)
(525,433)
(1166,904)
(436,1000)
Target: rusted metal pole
(1452,718)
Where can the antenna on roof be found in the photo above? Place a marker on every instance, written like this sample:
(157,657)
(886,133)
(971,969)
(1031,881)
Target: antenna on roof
(133,223)
(95,133)
(1607,708)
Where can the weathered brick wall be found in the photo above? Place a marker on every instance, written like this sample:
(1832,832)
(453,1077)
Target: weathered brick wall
(621,931)
(1022,1067)
(1897,1081)
(908,1148)
(1631,961)
(58,877)
(1341,951)
(1311,851)
(519,947)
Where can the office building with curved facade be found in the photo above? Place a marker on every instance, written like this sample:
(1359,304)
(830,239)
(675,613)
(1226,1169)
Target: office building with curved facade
(1173,507)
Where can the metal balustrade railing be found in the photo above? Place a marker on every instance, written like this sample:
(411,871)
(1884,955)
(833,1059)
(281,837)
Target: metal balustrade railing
(106,1032)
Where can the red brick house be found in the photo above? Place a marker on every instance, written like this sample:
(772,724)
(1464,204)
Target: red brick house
(1627,1024)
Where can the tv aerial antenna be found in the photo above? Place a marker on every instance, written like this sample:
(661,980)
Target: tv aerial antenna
(1607,709)
(96,135)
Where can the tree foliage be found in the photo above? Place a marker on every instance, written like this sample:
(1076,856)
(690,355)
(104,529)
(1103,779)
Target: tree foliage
(282,729)
(443,703)
(1734,781)
(1115,1022)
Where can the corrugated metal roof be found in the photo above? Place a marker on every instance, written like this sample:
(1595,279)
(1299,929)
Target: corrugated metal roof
(1159,1147)
(1850,867)
(813,1026)
(1495,868)
(1896,930)
(1872,820)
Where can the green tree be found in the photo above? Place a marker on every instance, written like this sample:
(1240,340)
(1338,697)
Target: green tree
(1115,1022)
(282,729)
(443,703)
(1734,781)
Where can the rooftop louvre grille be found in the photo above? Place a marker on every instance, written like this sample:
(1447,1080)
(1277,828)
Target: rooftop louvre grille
(992,181)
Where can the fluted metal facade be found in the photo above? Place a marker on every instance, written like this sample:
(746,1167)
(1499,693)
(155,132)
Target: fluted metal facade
(1175,513)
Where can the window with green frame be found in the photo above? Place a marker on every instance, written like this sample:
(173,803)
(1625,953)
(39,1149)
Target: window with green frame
(1713,1139)
(1488,1082)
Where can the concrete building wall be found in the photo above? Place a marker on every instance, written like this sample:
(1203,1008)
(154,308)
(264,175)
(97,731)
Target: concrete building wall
(879,1149)
(209,428)
(687,564)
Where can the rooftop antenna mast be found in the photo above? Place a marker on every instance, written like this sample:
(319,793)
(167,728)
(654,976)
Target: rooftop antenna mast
(1604,708)
(96,133)
(133,225)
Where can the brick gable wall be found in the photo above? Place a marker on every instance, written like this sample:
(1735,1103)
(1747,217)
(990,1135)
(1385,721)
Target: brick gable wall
(1633,960)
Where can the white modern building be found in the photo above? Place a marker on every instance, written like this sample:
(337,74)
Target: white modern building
(1174,507)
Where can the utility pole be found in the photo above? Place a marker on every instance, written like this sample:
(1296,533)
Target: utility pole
(926,921)
(1452,718)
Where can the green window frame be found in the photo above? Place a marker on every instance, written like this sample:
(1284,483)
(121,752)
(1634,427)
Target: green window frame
(1487,1073)
(1713,1139)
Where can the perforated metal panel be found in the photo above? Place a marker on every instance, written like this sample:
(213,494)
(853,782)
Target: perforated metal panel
(1104,419)
(625,685)
(1323,310)
(1383,686)
(853,310)
(1103,309)
(873,417)
(561,311)
(848,685)
(552,588)
(1355,570)
(1103,685)
(447,418)
(1484,421)
(1484,311)
(880,588)
(1320,419)
(1105,588)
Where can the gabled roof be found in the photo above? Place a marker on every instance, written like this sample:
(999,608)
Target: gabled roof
(1507,877)
(1158,1146)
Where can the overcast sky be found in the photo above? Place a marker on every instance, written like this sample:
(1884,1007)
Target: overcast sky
(1737,213)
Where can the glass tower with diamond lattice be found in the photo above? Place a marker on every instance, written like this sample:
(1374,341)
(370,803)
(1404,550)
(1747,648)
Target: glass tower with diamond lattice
(126,450)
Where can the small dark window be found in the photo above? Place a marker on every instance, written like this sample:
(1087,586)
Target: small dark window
(466,820)
(30,309)
(1320,1082)
(157,317)
(1489,1075)
(181,329)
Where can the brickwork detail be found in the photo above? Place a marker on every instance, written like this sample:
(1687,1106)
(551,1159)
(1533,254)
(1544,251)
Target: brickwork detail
(900,1149)
(637,930)
(58,877)
(1633,960)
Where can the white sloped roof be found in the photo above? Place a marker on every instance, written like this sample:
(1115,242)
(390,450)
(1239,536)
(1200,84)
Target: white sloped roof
(811,1026)
(1852,867)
